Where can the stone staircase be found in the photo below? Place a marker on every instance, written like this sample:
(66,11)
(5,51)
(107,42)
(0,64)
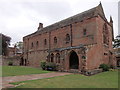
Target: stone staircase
(74,71)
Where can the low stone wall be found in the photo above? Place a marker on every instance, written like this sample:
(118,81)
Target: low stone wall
(87,73)
(92,72)
(15,60)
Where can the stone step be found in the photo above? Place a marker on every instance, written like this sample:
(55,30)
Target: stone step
(74,71)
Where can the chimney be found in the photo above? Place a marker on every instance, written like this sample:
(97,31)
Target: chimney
(40,26)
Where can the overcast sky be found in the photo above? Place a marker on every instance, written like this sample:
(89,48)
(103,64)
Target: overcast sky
(19,18)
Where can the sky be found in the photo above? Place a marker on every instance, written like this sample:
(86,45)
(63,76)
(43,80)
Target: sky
(119,17)
(19,18)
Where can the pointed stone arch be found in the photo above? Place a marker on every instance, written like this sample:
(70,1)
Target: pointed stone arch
(73,60)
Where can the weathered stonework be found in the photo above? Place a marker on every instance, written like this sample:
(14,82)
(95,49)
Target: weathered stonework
(85,38)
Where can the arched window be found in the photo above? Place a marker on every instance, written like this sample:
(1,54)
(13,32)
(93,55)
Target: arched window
(57,58)
(45,41)
(84,31)
(52,57)
(37,43)
(105,34)
(67,38)
(32,45)
(55,40)
(105,26)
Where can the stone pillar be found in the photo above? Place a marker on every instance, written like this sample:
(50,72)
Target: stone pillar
(54,58)
(66,61)
(80,64)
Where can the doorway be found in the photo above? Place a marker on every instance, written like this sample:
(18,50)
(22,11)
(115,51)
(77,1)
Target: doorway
(73,60)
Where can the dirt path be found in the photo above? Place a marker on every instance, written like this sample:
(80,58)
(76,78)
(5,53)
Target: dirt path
(7,80)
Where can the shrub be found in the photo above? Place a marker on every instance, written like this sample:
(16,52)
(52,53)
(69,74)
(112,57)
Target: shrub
(104,67)
(10,63)
(43,65)
(112,67)
(51,66)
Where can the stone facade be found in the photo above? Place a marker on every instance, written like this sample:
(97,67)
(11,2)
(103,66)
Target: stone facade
(12,56)
(14,60)
(81,42)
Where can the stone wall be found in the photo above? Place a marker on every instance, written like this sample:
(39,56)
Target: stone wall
(15,60)
(35,49)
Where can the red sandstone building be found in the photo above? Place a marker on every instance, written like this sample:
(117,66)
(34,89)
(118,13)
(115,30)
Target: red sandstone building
(81,42)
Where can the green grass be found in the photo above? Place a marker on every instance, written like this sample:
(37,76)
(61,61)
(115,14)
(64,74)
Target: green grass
(103,80)
(18,70)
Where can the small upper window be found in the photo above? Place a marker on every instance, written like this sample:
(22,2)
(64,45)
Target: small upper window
(105,26)
(105,34)
(37,43)
(67,38)
(84,32)
(32,45)
(55,40)
(45,41)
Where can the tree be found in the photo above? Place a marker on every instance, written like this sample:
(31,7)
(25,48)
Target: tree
(19,45)
(4,43)
(117,42)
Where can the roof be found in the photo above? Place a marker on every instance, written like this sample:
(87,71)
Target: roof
(61,49)
(76,18)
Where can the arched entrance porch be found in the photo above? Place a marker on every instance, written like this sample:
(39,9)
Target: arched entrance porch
(73,60)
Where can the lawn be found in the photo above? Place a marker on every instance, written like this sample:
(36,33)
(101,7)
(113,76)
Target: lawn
(20,70)
(103,80)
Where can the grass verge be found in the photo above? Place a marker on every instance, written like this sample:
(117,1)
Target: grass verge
(103,80)
(20,70)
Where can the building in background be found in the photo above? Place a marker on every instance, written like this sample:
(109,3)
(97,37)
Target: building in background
(9,54)
(13,51)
